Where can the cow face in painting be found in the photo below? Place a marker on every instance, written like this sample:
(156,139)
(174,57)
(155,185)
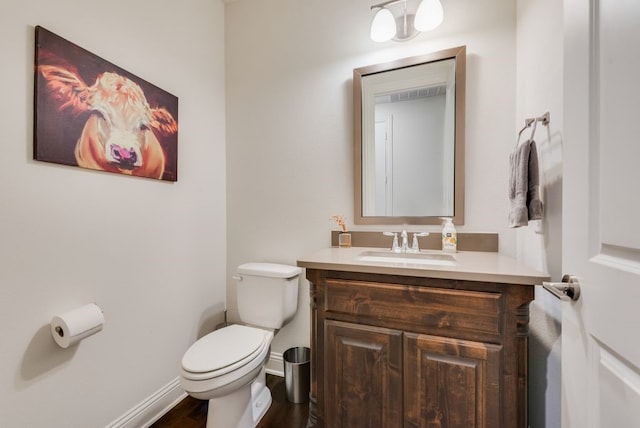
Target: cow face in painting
(119,134)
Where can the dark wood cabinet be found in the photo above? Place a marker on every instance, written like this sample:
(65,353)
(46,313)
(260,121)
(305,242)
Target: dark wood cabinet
(450,383)
(363,372)
(400,351)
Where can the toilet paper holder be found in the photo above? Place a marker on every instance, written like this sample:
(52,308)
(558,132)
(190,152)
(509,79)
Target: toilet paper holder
(71,327)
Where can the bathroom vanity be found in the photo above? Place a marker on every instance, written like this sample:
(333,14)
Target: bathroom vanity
(425,342)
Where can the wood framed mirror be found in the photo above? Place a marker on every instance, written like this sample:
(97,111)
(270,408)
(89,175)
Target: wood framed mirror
(409,124)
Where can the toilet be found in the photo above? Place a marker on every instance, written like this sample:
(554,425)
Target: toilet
(226,366)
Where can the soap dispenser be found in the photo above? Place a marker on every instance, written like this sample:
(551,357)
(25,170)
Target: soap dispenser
(449,236)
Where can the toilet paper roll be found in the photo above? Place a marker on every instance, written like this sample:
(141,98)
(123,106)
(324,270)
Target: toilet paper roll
(71,327)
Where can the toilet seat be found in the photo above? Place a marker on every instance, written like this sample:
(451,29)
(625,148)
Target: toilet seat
(224,351)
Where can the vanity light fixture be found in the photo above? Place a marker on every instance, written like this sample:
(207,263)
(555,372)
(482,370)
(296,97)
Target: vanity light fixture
(402,20)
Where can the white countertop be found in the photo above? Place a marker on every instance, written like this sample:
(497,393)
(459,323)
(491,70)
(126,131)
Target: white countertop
(469,266)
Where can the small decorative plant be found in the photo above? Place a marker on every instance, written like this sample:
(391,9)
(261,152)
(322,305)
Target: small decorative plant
(344,238)
(340,220)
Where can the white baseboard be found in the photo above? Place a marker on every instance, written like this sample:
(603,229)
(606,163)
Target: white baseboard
(163,400)
(153,408)
(275,365)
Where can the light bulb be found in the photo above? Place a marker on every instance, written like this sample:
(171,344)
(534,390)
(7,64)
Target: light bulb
(383,27)
(429,15)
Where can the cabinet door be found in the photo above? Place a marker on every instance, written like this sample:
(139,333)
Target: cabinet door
(451,383)
(363,376)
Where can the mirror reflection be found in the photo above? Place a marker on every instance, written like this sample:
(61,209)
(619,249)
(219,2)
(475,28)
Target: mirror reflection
(409,140)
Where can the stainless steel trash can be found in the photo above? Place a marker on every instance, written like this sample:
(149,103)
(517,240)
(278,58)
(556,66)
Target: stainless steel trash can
(297,374)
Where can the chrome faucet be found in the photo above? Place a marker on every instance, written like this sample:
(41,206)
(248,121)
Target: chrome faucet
(394,246)
(404,247)
(405,241)
(415,247)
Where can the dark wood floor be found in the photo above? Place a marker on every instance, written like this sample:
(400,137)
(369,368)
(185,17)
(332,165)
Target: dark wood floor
(192,413)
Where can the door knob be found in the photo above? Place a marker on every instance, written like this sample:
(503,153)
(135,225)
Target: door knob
(568,289)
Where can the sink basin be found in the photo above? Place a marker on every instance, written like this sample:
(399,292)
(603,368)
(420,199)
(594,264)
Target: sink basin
(429,259)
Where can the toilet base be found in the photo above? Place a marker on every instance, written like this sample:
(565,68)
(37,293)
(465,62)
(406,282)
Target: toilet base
(260,397)
(243,408)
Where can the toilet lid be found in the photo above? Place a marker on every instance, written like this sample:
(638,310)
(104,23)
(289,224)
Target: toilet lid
(222,348)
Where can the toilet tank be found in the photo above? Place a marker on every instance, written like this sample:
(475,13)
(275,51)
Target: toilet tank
(267,293)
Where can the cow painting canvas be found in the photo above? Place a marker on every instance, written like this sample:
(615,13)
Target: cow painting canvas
(93,114)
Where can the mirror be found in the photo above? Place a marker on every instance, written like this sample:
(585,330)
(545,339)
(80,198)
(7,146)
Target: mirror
(409,139)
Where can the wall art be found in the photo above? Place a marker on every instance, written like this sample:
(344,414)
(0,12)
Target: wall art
(93,114)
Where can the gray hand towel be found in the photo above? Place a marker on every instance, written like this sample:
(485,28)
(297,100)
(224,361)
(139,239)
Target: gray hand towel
(534,204)
(524,185)
(519,185)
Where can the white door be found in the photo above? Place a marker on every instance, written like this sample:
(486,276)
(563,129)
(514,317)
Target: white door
(601,212)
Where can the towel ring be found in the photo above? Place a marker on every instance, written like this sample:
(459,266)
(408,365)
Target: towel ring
(533,131)
(533,120)
(527,124)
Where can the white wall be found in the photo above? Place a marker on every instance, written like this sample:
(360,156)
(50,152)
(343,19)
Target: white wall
(150,253)
(289,67)
(539,89)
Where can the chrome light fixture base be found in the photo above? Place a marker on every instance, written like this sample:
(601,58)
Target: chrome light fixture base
(402,20)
